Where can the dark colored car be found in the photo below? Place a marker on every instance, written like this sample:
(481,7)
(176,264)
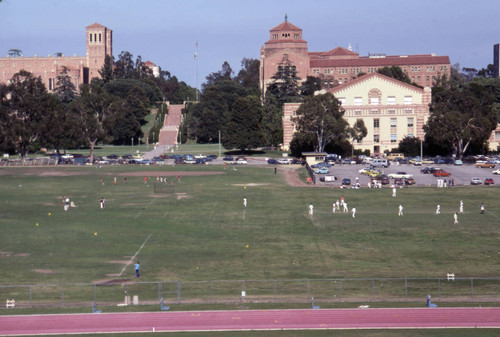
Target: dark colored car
(272,161)
(346,181)
(489,181)
(228,158)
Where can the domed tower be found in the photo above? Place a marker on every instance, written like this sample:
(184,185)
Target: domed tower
(99,44)
(285,42)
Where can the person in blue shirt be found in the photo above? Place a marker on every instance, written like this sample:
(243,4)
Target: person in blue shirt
(137,266)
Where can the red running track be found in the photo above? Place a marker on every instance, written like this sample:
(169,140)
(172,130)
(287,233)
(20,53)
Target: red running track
(251,320)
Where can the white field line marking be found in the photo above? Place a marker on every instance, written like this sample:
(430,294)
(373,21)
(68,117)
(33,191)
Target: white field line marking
(492,214)
(140,212)
(210,217)
(133,257)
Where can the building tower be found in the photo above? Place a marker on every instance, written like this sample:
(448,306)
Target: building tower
(99,44)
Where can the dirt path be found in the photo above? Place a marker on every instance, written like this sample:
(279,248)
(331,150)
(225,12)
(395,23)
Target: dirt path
(292,176)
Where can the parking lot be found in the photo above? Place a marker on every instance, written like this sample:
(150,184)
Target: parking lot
(461,175)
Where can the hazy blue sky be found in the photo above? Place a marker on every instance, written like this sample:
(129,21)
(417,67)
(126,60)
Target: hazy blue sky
(165,32)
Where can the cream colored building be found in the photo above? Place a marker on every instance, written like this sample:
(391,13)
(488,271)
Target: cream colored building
(389,108)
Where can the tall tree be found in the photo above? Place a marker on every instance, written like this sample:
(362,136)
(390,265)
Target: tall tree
(242,130)
(271,122)
(124,66)
(65,89)
(322,117)
(248,76)
(310,86)
(28,110)
(358,131)
(93,111)
(396,73)
(106,72)
(285,83)
(224,74)
(459,118)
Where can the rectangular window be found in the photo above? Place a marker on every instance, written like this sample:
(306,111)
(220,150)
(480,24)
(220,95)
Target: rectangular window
(99,37)
(90,37)
(408,111)
(357,112)
(391,100)
(391,112)
(408,100)
(376,138)
(358,100)
(497,136)
(374,101)
(410,122)
(376,123)
(393,138)
(394,122)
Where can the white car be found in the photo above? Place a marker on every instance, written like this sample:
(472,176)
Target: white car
(241,162)
(200,156)
(400,175)
(497,171)
(476,181)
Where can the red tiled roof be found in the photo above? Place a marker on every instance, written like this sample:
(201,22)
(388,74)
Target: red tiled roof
(286,40)
(382,61)
(368,76)
(285,26)
(95,25)
(149,64)
(339,51)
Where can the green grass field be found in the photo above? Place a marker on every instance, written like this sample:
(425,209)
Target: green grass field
(198,230)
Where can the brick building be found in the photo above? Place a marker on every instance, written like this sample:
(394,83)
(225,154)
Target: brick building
(99,42)
(339,65)
(390,109)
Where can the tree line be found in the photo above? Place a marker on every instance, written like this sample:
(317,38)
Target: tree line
(110,110)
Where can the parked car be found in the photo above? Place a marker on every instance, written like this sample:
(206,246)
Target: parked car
(410,181)
(322,170)
(428,170)
(485,165)
(328,179)
(497,171)
(272,161)
(441,173)
(241,162)
(489,181)
(458,162)
(346,181)
(229,159)
(320,165)
(400,175)
(475,181)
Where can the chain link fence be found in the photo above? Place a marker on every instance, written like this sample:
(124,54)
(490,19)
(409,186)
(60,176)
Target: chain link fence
(120,292)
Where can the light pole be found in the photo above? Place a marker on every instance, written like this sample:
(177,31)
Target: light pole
(132,144)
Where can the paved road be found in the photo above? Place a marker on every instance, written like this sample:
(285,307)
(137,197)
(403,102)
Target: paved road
(251,320)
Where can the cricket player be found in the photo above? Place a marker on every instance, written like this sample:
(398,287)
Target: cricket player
(455,218)
(353,212)
(311,209)
(461,206)
(400,212)
(438,209)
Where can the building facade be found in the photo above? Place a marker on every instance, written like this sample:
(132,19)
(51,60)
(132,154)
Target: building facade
(390,109)
(81,69)
(339,65)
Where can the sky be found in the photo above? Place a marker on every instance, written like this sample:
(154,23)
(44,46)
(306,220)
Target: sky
(165,32)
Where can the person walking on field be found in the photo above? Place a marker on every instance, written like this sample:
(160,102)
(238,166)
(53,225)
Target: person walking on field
(455,218)
(311,209)
(137,267)
(333,207)
(353,212)
(438,209)
(482,208)
(346,210)
(461,206)
(393,191)
(400,212)
(245,202)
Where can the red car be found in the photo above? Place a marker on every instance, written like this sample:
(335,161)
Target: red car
(441,173)
(489,181)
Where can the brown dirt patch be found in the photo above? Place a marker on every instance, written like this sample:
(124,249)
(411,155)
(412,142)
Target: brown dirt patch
(180,196)
(22,254)
(292,176)
(119,261)
(44,271)
(111,282)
